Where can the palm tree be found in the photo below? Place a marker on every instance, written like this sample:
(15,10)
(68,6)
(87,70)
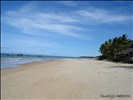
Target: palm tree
(117,44)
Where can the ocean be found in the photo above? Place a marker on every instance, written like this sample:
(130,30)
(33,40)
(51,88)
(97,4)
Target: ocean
(14,60)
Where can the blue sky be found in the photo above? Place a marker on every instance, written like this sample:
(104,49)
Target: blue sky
(64,28)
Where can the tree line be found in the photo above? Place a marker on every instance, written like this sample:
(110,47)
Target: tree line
(112,46)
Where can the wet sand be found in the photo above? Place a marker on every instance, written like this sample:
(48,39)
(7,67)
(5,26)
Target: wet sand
(68,79)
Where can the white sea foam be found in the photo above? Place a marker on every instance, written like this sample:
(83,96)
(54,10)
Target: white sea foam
(14,62)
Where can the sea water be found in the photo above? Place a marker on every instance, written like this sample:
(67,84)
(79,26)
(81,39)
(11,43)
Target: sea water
(9,61)
(14,62)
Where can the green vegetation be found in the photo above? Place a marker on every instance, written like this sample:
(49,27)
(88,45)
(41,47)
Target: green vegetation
(11,55)
(86,57)
(19,54)
(110,48)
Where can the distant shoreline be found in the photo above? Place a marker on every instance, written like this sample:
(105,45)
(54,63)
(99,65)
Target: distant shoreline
(9,60)
(32,55)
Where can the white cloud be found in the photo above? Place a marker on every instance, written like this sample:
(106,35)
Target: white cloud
(26,44)
(29,21)
(34,23)
(99,16)
(26,41)
(28,7)
(36,43)
(60,17)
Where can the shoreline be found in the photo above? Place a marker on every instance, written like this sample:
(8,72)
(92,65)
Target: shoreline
(67,79)
(16,62)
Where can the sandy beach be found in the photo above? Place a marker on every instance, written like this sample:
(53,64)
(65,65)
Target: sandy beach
(68,79)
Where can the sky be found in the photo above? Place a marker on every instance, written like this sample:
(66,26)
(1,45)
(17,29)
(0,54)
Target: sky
(63,28)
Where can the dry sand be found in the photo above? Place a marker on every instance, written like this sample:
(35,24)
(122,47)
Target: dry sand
(68,79)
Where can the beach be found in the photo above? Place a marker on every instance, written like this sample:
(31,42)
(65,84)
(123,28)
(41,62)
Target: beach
(68,79)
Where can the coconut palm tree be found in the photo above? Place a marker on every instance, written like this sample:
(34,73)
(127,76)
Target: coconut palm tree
(112,46)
